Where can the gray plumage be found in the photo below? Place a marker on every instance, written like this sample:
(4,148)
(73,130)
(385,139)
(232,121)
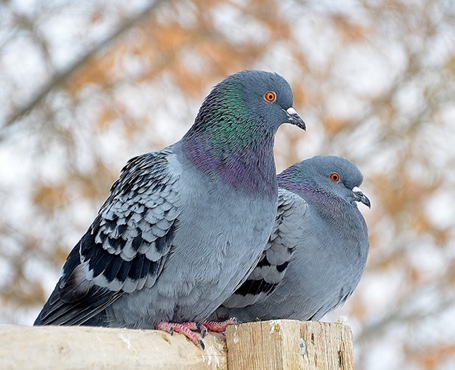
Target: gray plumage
(182,226)
(317,253)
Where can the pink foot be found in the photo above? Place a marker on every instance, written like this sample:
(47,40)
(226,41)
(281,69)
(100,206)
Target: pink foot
(188,329)
(185,329)
(215,326)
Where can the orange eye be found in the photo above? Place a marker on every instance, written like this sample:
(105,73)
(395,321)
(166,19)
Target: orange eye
(334,177)
(270,96)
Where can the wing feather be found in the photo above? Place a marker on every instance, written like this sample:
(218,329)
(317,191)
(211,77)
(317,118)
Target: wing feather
(126,246)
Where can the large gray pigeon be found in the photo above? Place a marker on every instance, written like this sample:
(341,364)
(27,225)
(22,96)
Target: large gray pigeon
(317,251)
(182,226)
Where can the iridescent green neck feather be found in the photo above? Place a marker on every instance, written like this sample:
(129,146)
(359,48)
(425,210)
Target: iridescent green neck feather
(228,140)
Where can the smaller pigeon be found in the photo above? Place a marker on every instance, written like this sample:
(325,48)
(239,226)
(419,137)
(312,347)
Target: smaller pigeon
(317,251)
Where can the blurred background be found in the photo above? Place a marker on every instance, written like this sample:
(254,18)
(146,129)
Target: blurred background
(86,85)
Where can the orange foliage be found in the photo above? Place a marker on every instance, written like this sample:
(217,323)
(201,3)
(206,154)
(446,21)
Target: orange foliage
(97,71)
(51,198)
(431,358)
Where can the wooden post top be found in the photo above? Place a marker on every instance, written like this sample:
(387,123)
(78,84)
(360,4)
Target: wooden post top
(290,345)
(267,345)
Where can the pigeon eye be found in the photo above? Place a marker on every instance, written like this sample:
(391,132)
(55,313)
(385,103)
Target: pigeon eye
(334,177)
(270,96)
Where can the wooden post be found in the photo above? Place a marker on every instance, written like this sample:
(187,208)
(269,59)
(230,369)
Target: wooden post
(290,345)
(268,345)
(77,347)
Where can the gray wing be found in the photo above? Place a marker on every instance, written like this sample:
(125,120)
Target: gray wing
(272,265)
(126,246)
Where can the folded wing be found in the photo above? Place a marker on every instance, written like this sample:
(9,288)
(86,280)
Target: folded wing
(125,248)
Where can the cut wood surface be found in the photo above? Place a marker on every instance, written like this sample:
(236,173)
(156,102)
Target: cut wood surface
(276,344)
(290,345)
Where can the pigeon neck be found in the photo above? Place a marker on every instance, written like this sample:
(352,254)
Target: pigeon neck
(246,165)
(329,205)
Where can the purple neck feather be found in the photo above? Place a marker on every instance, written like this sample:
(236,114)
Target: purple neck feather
(328,205)
(250,169)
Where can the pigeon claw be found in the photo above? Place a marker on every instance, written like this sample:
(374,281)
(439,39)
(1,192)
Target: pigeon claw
(184,328)
(190,329)
(201,328)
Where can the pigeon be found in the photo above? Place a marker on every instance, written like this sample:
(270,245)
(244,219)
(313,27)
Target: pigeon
(182,226)
(317,250)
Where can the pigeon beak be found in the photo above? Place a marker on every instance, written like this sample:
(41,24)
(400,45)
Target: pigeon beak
(360,197)
(295,119)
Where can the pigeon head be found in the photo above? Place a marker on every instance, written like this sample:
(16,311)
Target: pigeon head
(247,102)
(233,133)
(266,98)
(328,175)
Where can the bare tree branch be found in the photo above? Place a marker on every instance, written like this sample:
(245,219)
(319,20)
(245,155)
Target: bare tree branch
(59,78)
